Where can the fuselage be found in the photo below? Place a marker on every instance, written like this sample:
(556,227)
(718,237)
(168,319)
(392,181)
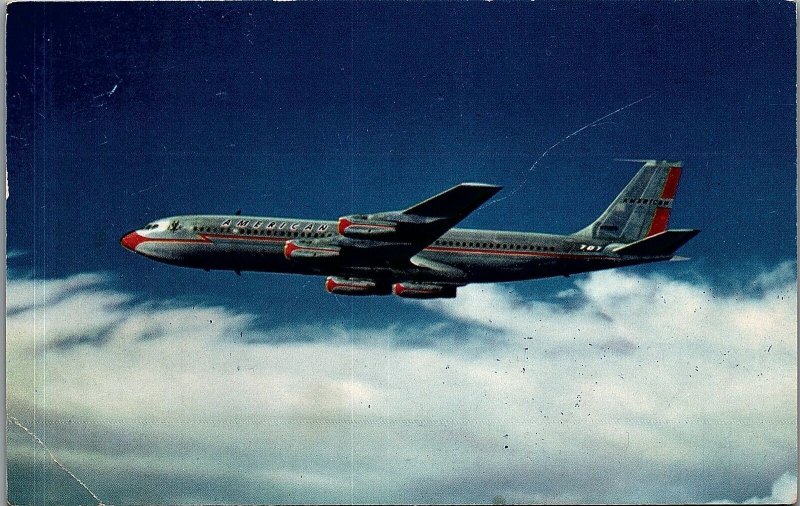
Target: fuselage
(417,252)
(460,256)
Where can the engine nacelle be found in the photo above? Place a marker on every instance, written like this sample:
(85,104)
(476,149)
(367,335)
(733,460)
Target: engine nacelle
(361,227)
(305,250)
(345,286)
(424,291)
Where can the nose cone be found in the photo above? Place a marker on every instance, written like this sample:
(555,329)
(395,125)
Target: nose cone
(131,240)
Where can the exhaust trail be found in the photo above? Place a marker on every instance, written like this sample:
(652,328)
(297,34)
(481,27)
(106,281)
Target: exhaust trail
(561,141)
(54,459)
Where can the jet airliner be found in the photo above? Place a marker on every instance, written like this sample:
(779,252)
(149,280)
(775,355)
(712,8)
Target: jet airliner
(417,252)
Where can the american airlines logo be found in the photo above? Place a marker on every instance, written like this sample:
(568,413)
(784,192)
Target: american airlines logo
(656,202)
(274,225)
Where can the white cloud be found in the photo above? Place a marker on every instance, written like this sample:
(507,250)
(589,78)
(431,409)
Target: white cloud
(784,491)
(649,389)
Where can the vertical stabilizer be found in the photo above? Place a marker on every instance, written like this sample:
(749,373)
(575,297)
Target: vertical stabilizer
(642,209)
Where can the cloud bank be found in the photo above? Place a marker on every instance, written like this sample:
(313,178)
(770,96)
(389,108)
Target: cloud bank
(625,388)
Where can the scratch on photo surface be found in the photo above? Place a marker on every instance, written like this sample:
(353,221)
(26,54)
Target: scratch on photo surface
(144,189)
(110,92)
(151,186)
(598,121)
(53,458)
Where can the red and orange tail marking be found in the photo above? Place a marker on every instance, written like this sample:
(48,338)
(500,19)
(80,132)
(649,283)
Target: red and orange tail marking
(661,218)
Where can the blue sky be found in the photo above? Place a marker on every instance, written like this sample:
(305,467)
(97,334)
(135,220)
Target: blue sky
(321,110)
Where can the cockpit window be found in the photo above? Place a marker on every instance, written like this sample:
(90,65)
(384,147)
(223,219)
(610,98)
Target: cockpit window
(150,226)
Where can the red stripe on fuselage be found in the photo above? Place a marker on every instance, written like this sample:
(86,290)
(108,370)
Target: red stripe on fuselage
(510,253)
(249,237)
(134,239)
(207,239)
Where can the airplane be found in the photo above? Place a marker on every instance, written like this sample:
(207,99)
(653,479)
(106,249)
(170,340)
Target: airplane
(417,252)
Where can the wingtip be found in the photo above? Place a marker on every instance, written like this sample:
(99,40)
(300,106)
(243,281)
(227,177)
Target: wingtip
(482,185)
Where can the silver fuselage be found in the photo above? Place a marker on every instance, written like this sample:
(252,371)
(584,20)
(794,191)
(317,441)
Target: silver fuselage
(251,243)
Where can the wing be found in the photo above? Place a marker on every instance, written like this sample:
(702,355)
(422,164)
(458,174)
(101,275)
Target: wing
(421,223)
(395,236)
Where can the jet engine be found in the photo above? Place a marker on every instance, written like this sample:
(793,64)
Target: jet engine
(349,286)
(362,227)
(307,250)
(424,291)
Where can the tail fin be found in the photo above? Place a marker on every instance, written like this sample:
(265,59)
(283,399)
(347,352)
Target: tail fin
(643,208)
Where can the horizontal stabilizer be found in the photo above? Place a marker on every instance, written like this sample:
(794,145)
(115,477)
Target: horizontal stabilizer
(662,244)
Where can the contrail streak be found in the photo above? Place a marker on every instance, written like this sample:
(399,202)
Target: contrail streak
(561,141)
(53,458)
